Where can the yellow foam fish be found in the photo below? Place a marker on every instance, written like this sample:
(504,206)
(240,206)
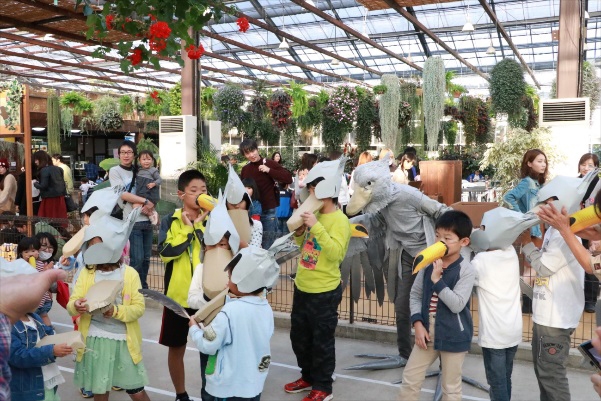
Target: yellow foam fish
(584,218)
(429,255)
(206,202)
(359,231)
(32,262)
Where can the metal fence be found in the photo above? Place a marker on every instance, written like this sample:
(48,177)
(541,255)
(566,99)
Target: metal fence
(365,310)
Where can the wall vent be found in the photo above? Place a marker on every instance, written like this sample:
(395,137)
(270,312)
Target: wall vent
(171,125)
(564,111)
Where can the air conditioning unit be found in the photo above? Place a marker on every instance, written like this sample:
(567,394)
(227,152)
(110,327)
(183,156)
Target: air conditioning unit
(177,139)
(569,122)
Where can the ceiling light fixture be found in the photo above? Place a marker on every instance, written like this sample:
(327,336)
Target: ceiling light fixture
(335,61)
(409,58)
(38,129)
(491,49)
(468,27)
(284,44)
(364,32)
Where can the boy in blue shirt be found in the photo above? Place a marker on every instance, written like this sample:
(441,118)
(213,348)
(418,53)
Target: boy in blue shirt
(440,312)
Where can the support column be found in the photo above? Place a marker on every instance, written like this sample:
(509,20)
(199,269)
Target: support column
(189,69)
(568,56)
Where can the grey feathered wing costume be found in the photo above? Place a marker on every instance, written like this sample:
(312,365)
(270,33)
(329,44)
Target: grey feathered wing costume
(397,217)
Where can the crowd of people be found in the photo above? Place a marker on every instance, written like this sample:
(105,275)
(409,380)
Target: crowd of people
(234,348)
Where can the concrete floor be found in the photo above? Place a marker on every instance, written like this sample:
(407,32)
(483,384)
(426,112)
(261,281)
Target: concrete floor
(349,385)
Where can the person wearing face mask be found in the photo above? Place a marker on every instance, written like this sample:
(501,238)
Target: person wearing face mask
(45,261)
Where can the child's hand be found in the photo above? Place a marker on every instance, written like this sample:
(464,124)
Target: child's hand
(61,350)
(201,216)
(186,219)
(65,261)
(109,312)
(437,271)
(309,219)
(299,231)
(151,185)
(192,322)
(80,307)
(421,335)
(525,237)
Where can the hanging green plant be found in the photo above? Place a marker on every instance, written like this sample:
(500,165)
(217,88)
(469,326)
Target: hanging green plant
(300,102)
(366,114)
(13,151)
(76,102)
(450,131)
(507,87)
(279,104)
(413,131)
(175,99)
(107,117)
(126,104)
(228,102)
(290,138)
(380,89)
(332,132)
(152,126)
(14,98)
(404,114)
(258,125)
(469,107)
(344,104)
(206,102)
(434,96)
(156,102)
(389,110)
(53,116)
(67,121)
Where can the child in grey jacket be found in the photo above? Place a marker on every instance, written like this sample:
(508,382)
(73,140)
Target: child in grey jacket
(148,181)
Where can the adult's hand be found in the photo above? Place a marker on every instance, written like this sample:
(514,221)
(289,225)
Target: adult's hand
(555,218)
(22,294)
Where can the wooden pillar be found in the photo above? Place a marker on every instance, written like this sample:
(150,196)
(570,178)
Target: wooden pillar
(26,120)
(569,54)
(189,82)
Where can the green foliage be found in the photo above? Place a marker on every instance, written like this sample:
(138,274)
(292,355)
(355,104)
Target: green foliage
(290,139)
(152,126)
(506,156)
(591,85)
(366,114)
(148,144)
(126,104)
(471,157)
(66,120)
(389,110)
(175,99)
(507,87)
(311,120)
(107,116)
(77,102)
(14,98)
(228,102)
(300,102)
(412,132)
(473,113)
(209,164)
(133,18)
(156,106)
(380,89)
(449,129)
(434,95)
(53,115)
(258,124)
(207,110)
(279,104)
(332,132)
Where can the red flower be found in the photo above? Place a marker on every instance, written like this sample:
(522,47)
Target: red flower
(152,17)
(160,30)
(135,57)
(109,21)
(126,21)
(242,24)
(155,95)
(194,52)
(158,44)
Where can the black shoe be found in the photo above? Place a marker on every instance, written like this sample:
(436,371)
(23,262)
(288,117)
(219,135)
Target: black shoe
(589,307)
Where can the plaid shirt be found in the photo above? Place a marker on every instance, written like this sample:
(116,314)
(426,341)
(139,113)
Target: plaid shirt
(5,375)
(91,171)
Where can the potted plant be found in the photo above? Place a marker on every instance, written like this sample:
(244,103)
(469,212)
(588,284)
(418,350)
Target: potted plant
(126,104)
(507,87)
(228,102)
(107,117)
(380,89)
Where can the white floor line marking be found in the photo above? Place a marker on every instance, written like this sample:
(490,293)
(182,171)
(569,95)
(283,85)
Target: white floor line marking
(281,365)
(147,388)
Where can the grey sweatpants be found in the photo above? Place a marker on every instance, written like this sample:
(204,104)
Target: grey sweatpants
(550,351)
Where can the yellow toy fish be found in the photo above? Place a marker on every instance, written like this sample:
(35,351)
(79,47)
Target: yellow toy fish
(359,231)
(206,202)
(585,218)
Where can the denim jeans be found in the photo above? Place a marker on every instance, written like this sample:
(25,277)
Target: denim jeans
(498,364)
(140,248)
(270,227)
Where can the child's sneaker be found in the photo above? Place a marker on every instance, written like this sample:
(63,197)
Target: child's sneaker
(297,386)
(316,395)
(86,394)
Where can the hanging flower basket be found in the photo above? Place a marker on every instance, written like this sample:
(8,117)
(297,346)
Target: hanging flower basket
(279,104)
(405,113)
(344,104)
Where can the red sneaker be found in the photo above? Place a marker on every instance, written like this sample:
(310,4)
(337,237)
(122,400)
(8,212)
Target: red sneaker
(316,395)
(297,386)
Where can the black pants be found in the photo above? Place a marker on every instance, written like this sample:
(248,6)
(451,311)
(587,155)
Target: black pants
(204,396)
(313,324)
(591,288)
(401,305)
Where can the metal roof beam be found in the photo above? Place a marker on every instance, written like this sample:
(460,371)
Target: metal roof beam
(291,51)
(495,20)
(420,35)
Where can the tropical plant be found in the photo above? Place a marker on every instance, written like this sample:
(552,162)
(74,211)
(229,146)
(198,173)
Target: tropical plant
(14,98)
(148,144)
(107,116)
(79,103)
(228,102)
(53,115)
(67,120)
(175,99)
(279,105)
(206,102)
(506,156)
(380,89)
(507,87)
(126,104)
(311,120)
(591,85)
(366,114)
(449,129)
(389,110)
(470,156)
(300,102)
(434,95)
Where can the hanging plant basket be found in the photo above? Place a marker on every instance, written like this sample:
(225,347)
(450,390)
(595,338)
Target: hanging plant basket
(344,104)
(404,114)
(279,104)
(228,102)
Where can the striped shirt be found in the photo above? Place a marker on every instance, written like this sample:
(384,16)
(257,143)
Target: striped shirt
(40,267)
(433,303)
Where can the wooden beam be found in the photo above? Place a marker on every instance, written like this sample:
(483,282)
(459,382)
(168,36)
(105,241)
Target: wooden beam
(302,42)
(356,34)
(435,38)
(501,29)
(569,53)
(26,126)
(274,56)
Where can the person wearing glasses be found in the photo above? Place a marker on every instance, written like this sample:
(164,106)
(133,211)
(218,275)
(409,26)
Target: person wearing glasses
(123,176)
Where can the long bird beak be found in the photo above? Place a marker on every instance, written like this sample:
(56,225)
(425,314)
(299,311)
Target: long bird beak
(360,198)
(359,231)
(206,202)
(584,218)
(429,255)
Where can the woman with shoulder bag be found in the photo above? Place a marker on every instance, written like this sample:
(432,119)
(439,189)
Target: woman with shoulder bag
(51,184)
